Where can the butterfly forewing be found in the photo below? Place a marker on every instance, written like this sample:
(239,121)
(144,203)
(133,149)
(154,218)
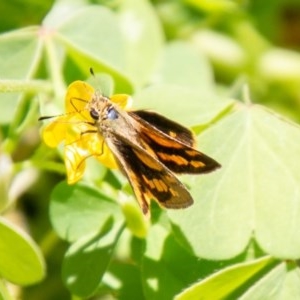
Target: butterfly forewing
(172,144)
(165,125)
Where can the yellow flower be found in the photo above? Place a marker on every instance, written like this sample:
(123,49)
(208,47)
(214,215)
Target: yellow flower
(75,128)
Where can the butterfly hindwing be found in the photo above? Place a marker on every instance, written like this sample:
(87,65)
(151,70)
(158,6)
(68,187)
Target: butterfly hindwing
(148,177)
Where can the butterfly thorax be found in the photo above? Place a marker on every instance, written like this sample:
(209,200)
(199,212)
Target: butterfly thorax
(110,119)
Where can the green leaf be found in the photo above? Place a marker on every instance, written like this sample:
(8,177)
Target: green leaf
(185,91)
(20,259)
(21,65)
(4,293)
(182,66)
(263,278)
(227,55)
(226,281)
(6,176)
(214,6)
(279,65)
(24,45)
(256,192)
(188,83)
(99,37)
(143,38)
(78,210)
(87,260)
(96,43)
(166,267)
(182,104)
(124,280)
(103,83)
(135,219)
(283,282)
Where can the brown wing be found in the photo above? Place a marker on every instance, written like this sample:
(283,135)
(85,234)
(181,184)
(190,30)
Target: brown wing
(148,177)
(166,125)
(172,144)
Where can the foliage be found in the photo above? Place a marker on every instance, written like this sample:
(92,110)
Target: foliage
(227,69)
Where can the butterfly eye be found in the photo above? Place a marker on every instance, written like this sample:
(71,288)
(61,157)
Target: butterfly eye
(112,114)
(94,114)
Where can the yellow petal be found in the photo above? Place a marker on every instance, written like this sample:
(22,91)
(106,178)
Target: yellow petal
(78,95)
(55,132)
(96,146)
(75,158)
(77,130)
(107,158)
(123,100)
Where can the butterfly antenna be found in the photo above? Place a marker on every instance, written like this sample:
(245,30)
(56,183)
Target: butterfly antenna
(49,117)
(92,71)
(60,115)
(97,81)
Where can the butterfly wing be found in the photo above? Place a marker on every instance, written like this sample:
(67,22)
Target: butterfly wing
(166,126)
(172,144)
(148,177)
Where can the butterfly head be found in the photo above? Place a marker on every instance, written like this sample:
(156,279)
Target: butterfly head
(101,108)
